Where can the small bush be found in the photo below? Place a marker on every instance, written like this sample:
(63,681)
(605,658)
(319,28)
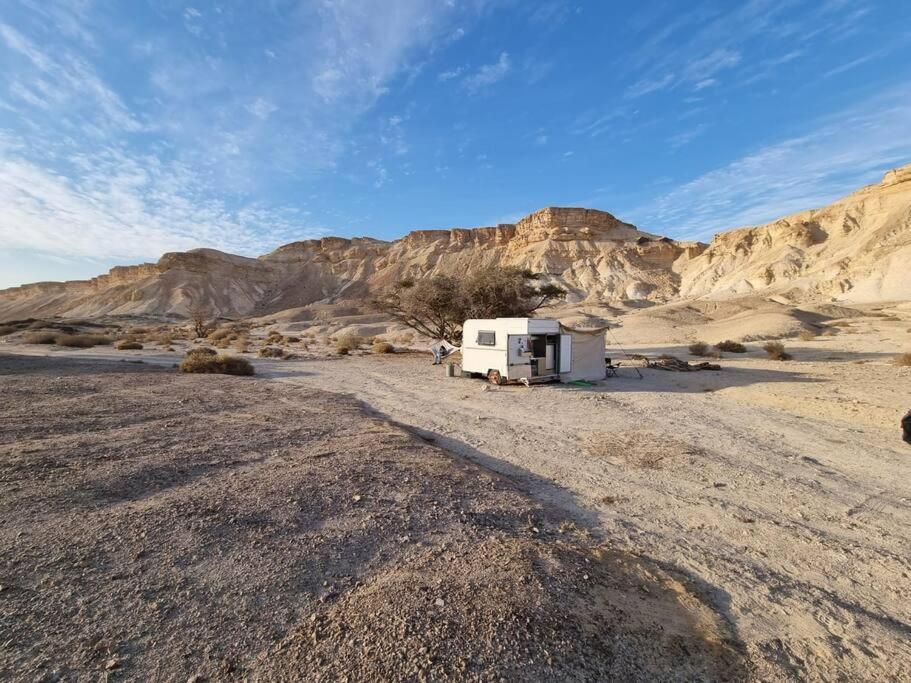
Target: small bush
(349,339)
(127,345)
(216,365)
(699,349)
(731,346)
(40,338)
(82,341)
(775,351)
(904,360)
(292,340)
(202,351)
(219,334)
(271,352)
(808,335)
(380,346)
(342,350)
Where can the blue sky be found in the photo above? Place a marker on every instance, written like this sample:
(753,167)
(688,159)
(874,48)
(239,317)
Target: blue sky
(128,129)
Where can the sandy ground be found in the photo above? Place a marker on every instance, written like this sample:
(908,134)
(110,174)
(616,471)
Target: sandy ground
(780,490)
(158,526)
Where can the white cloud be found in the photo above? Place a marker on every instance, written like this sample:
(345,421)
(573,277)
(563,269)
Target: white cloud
(648,85)
(111,205)
(450,74)
(840,153)
(261,108)
(488,74)
(687,136)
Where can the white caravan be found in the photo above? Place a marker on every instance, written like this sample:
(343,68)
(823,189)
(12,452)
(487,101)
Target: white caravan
(530,350)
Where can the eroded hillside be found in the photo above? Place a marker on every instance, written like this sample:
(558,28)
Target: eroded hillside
(855,249)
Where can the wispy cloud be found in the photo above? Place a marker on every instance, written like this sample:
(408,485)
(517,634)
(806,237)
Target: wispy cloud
(112,205)
(687,136)
(488,74)
(840,153)
(648,85)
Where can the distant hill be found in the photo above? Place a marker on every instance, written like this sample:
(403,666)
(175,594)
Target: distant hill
(856,249)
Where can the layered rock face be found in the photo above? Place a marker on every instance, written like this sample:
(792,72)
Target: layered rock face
(857,249)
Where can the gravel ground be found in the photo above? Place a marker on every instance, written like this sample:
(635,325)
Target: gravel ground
(157,526)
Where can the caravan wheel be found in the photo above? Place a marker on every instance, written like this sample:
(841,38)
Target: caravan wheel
(494,377)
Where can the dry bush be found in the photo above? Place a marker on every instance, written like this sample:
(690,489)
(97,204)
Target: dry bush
(272,352)
(202,351)
(220,333)
(127,345)
(82,341)
(342,350)
(699,348)
(731,346)
(904,360)
(350,339)
(808,335)
(292,340)
(215,364)
(775,351)
(138,330)
(40,338)
(405,338)
(380,346)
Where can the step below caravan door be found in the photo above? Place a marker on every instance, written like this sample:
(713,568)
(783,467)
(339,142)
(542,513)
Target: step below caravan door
(566,353)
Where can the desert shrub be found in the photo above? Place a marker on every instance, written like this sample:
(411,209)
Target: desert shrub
(127,345)
(699,348)
(775,351)
(202,351)
(904,360)
(219,334)
(380,346)
(342,350)
(7,329)
(40,338)
(292,340)
(82,341)
(216,365)
(163,339)
(405,338)
(350,339)
(271,352)
(731,346)
(138,330)
(840,323)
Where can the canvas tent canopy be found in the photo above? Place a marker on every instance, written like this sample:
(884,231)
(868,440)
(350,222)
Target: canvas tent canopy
(531,350)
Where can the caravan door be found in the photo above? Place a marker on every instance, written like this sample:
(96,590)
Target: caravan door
(566,353)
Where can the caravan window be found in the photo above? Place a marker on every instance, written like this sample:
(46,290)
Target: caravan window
(487,338)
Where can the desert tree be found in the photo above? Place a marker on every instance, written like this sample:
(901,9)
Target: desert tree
(437,306)
(200,316)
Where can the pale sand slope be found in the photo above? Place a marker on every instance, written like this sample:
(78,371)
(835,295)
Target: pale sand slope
(783,487)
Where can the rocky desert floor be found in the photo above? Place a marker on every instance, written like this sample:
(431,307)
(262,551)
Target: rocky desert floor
(750,523)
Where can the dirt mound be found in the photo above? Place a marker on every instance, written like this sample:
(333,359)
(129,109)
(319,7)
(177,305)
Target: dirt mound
(155,525)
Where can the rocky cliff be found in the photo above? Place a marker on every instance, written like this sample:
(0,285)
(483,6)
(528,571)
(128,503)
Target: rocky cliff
(856,249)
